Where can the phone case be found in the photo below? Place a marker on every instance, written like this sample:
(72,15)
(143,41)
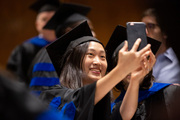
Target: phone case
(136,30)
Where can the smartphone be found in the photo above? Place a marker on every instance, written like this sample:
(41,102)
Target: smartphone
(136,30)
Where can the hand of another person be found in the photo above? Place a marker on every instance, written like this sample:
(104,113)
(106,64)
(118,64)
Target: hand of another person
(146,67)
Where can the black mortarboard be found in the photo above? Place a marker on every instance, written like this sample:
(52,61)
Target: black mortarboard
(80,34)
(117,37)
(68,12)
(116,42)
(45,5)
(154,44)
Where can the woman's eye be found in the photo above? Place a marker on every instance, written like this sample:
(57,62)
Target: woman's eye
(91,54)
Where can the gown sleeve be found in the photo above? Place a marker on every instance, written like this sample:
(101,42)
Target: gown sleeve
(172,101)
(42,73)
(83,99)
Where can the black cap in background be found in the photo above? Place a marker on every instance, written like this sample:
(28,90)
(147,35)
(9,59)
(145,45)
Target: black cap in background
(45,5)
(68,12)
(117,37)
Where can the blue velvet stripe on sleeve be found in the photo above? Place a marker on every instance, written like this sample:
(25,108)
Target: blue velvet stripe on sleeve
(44,81)
(43,67)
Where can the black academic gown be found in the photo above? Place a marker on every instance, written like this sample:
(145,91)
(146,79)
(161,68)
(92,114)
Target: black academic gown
(163,105)
(83,99)
(22,56)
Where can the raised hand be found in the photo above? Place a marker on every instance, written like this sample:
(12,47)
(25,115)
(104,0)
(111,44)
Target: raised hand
(146,67)
(131,60)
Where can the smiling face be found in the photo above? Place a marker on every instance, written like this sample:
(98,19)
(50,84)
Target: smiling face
(94,63)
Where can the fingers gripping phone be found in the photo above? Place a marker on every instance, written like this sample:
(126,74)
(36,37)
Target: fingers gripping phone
(136,30)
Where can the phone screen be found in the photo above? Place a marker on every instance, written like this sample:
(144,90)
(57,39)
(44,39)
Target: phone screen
(136,30)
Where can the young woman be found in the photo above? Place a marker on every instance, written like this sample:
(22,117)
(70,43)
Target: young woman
(80,61)
(141,77)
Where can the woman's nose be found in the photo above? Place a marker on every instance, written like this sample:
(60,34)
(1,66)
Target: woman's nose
(96,60)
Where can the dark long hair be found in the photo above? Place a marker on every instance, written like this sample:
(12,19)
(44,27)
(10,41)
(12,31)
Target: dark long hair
(72,73)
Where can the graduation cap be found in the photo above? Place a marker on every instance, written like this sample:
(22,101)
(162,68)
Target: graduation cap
(116,42)
(117,37)
(45,5)
(78,35)
(67,13)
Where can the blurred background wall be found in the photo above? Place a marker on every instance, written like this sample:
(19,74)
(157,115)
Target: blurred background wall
(17,20)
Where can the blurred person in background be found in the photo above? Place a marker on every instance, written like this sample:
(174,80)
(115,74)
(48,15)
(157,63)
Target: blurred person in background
(21,57)
(167,67)
(17,102)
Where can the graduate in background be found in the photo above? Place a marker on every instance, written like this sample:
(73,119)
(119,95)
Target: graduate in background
(167,67)
(80,61)
(42,72)
(22,55)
